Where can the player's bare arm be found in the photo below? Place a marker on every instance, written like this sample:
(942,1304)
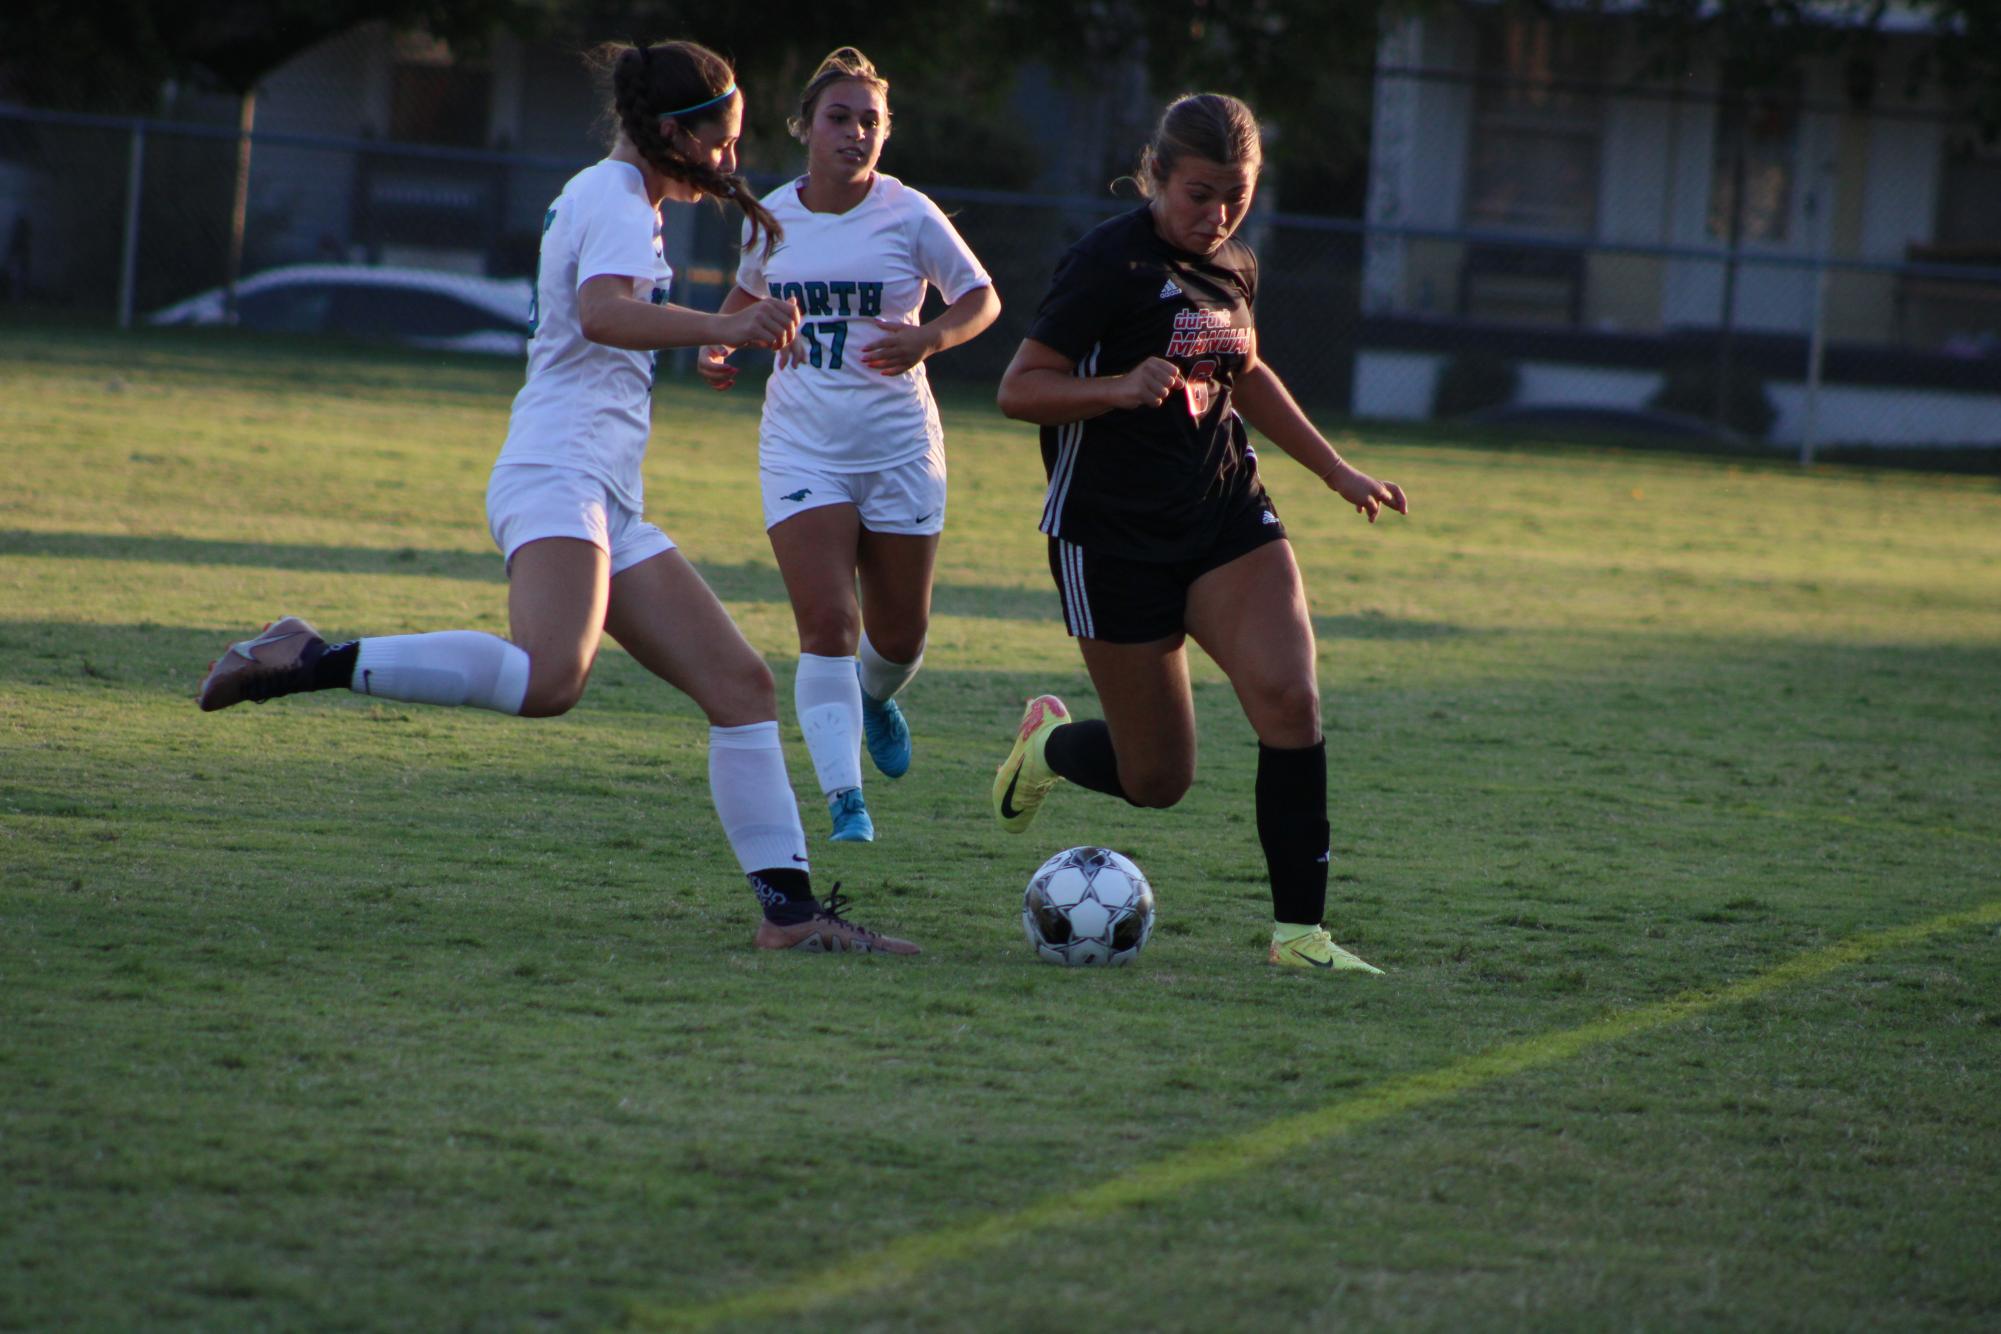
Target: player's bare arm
(610,315)
(1264,401)
(712,360)
(1041,385)
(904,346)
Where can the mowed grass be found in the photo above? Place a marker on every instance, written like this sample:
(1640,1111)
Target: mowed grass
(345,1013)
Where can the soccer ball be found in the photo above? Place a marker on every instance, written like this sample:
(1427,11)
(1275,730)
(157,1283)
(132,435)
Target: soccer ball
(1088,905)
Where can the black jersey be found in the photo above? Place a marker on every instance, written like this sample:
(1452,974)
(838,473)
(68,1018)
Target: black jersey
(1151,483)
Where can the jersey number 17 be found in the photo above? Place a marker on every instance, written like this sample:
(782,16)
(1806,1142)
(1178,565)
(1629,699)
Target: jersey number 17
(837,336)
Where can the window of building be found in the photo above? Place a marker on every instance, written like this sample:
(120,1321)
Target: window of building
(1537,126)
(1969,196)
(1764,129)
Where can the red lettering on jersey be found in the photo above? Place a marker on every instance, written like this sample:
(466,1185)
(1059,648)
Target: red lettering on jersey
(1202,333)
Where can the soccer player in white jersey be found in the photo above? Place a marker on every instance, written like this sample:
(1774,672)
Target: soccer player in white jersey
(565,500)
(851,458)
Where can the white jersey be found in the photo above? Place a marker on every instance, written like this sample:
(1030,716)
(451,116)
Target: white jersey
(588,406)
(873,261)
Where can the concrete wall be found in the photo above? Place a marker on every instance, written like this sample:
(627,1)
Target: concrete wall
(1398,386)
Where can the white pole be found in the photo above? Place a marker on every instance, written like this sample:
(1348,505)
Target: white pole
(128,259)
(1816,348)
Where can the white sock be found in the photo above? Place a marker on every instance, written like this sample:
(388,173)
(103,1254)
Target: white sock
(829,701)
(882,678)
(451,667)
(754,798)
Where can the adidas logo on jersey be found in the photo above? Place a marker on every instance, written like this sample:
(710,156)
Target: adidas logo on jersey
(1169,292)
(1269,517)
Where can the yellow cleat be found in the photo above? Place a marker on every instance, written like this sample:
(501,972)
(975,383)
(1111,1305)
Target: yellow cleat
(1316,949)
(1025,778)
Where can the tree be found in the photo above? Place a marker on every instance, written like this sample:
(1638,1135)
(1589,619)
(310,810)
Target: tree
(945,63)
(1761,45)
(114,55)
(1304,65)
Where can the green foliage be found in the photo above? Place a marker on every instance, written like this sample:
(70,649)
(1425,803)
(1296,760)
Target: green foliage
(1762,46)
(1303,66)
(1694,388)
(1474,380)
(346,1013)
(114,55)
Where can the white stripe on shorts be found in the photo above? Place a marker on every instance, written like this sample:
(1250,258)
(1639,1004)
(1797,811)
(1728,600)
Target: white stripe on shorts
(1068,438)
(1076,598)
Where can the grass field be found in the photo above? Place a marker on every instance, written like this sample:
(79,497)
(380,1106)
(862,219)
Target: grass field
(1664,790)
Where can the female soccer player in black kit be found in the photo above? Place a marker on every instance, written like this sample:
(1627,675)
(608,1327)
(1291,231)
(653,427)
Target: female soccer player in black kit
(1142,368)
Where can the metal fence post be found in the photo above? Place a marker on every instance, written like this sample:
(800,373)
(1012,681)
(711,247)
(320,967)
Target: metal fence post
(1816,347)
(128,255)
(239,203)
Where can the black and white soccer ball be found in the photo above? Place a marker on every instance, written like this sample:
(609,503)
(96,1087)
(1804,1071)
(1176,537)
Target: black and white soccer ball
(1086,906)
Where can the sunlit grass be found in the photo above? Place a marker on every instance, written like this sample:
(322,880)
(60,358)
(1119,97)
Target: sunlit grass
(338,1012)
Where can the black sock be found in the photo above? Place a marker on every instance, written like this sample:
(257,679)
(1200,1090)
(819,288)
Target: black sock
(1292,826)
(786,893)
(1082,752)
(333,669)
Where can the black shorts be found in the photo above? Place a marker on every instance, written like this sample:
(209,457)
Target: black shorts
(1126,601)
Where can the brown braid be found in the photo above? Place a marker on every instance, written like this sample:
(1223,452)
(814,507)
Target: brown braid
(646,81)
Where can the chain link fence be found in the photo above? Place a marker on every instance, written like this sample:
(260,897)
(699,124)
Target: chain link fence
(1800,275)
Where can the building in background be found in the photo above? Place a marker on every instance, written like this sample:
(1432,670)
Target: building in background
(1617,231)
(1545,228)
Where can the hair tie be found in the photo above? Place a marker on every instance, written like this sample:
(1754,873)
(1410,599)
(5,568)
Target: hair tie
(724,96)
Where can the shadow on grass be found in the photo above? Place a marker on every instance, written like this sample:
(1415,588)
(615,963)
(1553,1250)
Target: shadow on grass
(1375,625)
(258,360)
(151,658)
(744,581)
(150,655)
(476,566)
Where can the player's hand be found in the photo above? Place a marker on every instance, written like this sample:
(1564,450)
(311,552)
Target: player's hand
(770,322)
(792,354)
(1364,492)
(712,364)
(901,347)
(1146,385)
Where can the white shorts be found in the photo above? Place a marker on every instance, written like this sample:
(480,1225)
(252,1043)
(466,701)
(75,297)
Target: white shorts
(526,502)
(908,498)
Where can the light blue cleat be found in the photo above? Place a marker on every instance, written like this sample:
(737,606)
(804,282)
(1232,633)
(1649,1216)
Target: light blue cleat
(887,734)
(851,822)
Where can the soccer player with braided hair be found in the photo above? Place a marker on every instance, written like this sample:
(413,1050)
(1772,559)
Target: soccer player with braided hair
(1142,367)
(565,500)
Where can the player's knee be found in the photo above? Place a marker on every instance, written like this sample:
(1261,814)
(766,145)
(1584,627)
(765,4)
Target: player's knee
(1289,712)
(832,632)
(898,645)
(552,697)
(741,693)
(1158,788)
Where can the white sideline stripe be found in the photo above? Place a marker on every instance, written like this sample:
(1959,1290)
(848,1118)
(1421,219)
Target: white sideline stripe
(909,1256)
